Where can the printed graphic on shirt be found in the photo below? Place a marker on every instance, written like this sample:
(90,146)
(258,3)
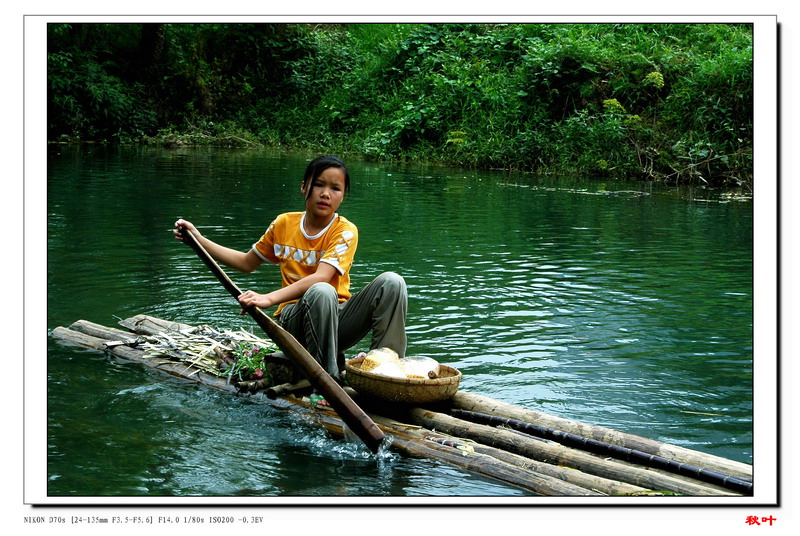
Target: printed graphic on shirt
(339,257)
(302,256)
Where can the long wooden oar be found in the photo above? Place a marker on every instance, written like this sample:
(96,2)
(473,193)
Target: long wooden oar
(355,418)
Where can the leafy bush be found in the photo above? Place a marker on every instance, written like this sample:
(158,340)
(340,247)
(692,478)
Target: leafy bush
(88,102)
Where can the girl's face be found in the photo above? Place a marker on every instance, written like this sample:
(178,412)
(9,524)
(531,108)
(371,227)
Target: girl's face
(327,193)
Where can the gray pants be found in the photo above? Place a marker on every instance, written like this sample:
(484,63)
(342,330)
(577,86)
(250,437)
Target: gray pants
(326,328)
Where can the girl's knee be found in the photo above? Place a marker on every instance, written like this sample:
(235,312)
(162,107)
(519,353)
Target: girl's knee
(393,281)
(321,292)
(392,278)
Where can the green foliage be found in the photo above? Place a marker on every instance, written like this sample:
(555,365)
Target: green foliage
(249,362)
(644,101)
(89,102)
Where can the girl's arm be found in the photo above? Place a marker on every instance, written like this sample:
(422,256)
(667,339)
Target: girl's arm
(238,260)
(325,272)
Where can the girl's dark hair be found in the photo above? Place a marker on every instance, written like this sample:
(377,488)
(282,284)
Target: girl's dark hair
(320,164)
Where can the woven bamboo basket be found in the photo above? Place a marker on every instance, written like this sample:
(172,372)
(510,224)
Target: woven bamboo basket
(405,390)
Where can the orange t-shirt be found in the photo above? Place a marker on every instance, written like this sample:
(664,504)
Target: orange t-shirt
(286,243)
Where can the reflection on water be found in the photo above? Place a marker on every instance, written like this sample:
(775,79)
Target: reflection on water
(587,300)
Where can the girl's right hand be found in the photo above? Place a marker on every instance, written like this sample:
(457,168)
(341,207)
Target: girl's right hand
(249,298)
(183,224)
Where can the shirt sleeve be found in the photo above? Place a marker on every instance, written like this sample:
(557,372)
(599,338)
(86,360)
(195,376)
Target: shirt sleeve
(265,247)
(341,250)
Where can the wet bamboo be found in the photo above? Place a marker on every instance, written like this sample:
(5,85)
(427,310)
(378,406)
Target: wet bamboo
(252,386)
(559,455)
(606,449)
(287,388)
(77,337)
(148,325)
(103,332)
(606,486)
(482,404)
(481,464)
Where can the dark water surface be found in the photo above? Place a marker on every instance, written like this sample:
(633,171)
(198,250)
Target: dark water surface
(626,306)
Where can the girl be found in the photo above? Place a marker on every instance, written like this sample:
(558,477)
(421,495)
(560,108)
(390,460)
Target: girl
(315,251)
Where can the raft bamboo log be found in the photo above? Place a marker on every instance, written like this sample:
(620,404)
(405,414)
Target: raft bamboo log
(605,486)
(79,338)
(173,368)
(416,443)
(97,330)
(252,386)
(354,416)
(488,466)
(623,453)
(148,325)
(558,454)
(287,388)
(482,404)
(602,485)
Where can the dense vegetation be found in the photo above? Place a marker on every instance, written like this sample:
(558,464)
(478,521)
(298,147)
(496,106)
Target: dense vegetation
(669,102)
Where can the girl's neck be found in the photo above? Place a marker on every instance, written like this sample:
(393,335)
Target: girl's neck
(313,227)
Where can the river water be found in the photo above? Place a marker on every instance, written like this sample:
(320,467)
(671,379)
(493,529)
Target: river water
(623,305)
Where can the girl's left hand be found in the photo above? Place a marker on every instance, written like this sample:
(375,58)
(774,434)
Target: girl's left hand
(249,298)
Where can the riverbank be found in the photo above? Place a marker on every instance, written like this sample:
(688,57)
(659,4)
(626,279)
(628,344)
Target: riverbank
(239,141)
(664,102)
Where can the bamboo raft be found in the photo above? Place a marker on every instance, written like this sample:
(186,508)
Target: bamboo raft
(536,452)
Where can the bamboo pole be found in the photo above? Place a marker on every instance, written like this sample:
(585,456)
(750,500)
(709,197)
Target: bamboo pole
(482,404)
(287,388)
(487,466)
(103,332)
(559,455)
(149,325)
(615,451)
(77,337)
(603,485)
(252,386)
